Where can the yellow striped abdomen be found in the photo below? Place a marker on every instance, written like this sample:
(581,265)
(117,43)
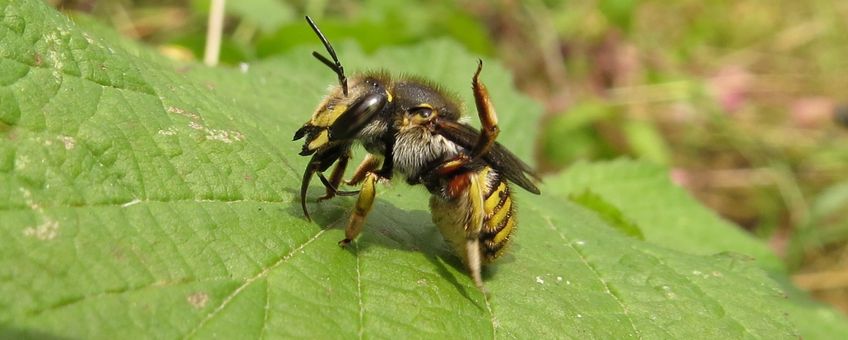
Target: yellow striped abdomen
(479,197)
(498,221)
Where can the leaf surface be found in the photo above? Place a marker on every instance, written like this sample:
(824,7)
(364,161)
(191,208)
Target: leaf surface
(666,214)
(143,198)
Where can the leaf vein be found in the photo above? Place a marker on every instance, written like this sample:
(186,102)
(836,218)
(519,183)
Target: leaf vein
(595,272)
(699,291)
(250,281)
(492,316)
(267,310)
(359,294)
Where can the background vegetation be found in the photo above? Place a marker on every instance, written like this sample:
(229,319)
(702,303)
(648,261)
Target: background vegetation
(743,100)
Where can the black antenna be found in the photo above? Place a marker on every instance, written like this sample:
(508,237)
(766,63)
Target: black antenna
(334,65)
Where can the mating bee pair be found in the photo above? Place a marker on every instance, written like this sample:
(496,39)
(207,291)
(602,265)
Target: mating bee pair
(411,127)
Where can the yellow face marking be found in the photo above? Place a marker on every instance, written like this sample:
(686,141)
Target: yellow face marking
(504,233)
(326,118)
(389,96)
(319,141)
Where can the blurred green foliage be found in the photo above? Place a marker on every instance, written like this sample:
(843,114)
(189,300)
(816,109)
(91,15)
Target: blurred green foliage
(267,28)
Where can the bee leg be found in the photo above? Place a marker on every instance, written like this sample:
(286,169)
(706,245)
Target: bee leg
(472,249)
(320,161)
(332,184)
(487,115)
(332,190)
(369,164)
(488,120)
(361,209)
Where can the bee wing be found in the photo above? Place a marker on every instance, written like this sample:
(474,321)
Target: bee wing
(498,156)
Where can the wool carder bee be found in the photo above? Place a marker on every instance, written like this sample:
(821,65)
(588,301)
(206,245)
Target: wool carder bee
(411,127)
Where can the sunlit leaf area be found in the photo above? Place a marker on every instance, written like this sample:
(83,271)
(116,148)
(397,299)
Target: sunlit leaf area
(692,160)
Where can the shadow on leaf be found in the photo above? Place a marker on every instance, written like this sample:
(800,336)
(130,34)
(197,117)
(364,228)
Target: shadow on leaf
(390,227)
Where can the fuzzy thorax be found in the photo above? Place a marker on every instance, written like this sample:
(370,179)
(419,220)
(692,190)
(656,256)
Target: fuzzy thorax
(418,150)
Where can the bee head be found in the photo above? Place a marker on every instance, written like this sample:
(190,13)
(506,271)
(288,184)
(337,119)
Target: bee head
(418,108)
(351,108)
(419,103)
(341,118)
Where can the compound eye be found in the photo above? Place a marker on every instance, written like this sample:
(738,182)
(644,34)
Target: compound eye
(422,111)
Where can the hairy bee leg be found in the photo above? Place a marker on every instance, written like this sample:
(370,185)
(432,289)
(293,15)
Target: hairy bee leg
(361,209)
(368,164)
(472,249)
(487,115)
(488,120)
(332,185)
(452,165)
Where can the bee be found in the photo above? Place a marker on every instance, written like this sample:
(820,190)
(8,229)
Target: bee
(411,127)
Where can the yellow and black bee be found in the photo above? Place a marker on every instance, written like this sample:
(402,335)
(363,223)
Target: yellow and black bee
(411,127)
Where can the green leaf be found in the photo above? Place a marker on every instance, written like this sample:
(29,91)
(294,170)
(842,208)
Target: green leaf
(667,216)
(607,212)
(665,213)
(141,198)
